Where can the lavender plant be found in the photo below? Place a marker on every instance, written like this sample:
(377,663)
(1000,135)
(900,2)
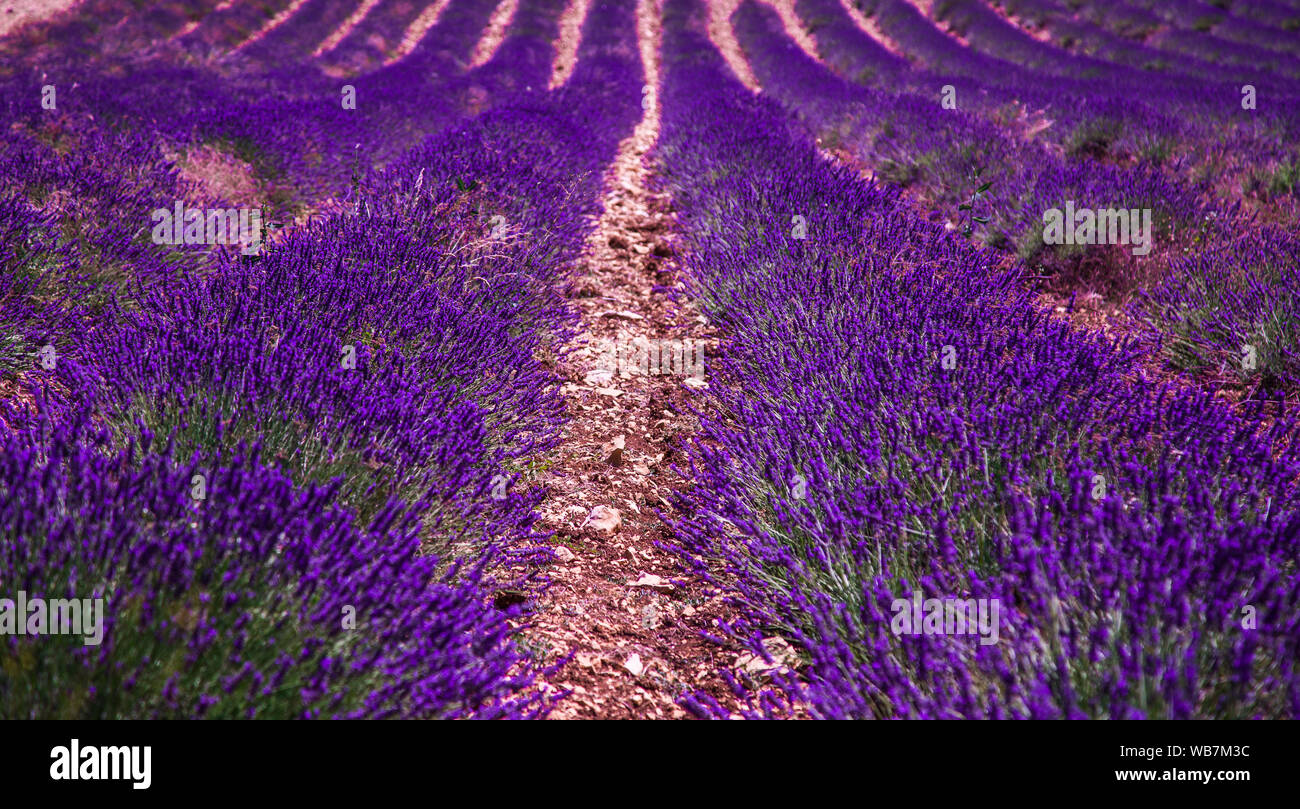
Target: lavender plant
(954,442)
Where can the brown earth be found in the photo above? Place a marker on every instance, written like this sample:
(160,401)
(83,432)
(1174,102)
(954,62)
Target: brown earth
(566,49)
(15,13)
(618,604)
(495,33)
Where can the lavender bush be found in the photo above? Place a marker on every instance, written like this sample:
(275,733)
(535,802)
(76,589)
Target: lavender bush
(941,436)
(282,464)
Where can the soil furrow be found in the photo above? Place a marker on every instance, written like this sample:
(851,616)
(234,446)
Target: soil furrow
(616,603)
(566,50)
(272,24)
(332,41)
(417,29)
(495,33)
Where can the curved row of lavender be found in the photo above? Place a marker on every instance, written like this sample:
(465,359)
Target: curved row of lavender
(377,38)
(1002,64)
(898,435)
(297,480)
(1191,118)
(288,119)
(1173,36)
(912,141)
(944,155)
(1226,107)
(1124,34)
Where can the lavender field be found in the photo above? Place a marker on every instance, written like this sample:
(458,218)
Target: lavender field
(635,359)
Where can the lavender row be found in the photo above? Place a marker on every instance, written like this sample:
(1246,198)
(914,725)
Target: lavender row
(308,137)
(376,38)
(1198,28)
(294,41)
(988,31)
(913,142)
(103,31)
(899,432)
(1077,32)
(1123,111)
(284,471)
(1232,312)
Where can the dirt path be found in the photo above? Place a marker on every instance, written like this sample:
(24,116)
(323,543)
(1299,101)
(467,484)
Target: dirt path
(794,26)
(566,50)
(1041,33)
(272,24)
(724,39)
(192,24)
(14,14)
(926,8)
(869,26)
(354,19)
(615,604)
(417,29)
(495,33)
